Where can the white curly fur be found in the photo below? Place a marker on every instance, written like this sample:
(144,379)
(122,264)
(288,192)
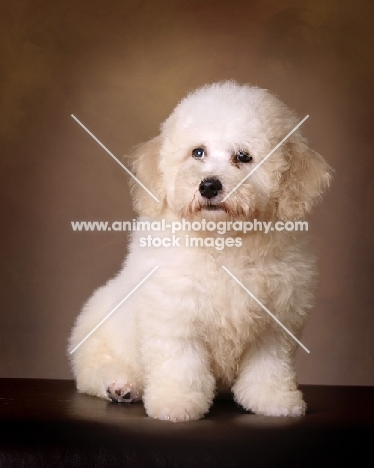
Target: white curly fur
(190,330)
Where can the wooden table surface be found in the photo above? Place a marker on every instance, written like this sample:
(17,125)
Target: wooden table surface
(46,423)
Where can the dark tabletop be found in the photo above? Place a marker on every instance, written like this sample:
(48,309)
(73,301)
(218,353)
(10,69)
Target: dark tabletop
(46,423)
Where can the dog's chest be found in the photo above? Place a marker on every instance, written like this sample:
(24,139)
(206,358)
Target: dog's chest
(228,321)
(225,345)
(230,315)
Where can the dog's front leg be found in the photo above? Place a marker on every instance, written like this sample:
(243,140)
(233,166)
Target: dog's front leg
(178,383)
(266,383)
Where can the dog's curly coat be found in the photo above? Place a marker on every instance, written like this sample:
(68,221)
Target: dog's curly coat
(190,329)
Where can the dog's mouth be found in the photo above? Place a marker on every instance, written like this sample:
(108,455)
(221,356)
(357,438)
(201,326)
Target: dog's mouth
(232,210)
(213,208)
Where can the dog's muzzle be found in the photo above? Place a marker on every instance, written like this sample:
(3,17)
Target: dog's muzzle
(210,188)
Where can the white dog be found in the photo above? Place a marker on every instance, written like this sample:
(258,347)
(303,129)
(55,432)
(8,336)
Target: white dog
(190,329)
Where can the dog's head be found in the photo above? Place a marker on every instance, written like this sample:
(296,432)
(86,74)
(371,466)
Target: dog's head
(213,139)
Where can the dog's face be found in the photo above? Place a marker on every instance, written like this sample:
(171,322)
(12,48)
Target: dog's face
(213,139)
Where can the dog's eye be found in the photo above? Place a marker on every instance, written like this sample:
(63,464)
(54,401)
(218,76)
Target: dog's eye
(243,157)
(198,153)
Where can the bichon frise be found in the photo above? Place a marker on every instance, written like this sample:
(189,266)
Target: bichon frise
(190,329)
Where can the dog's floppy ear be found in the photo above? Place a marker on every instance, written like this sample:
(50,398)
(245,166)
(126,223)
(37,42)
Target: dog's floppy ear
(304,182)
(144,163)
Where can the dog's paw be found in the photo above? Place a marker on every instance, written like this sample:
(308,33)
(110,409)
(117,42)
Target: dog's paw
(174,413)
(272,402)
(122,392)
(285,405)
(170,407)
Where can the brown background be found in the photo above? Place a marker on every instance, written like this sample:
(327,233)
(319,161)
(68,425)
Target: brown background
(121,66)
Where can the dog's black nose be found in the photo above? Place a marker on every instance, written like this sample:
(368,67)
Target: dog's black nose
(209,188)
